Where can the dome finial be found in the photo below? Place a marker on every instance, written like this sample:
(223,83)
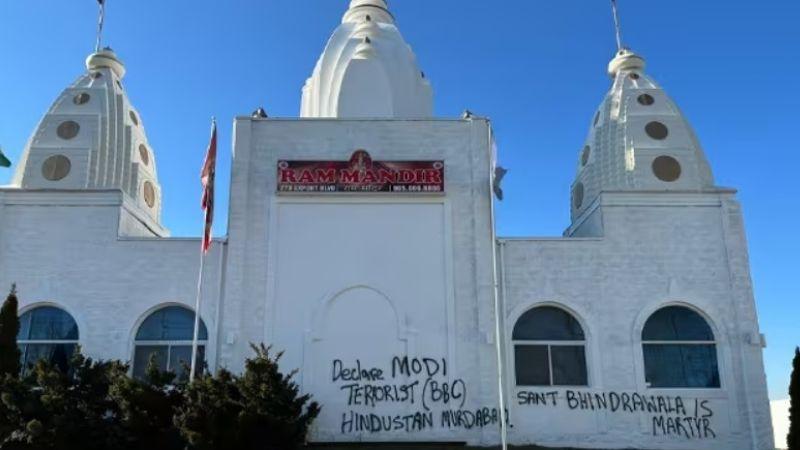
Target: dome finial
(376,10)
(625,59)
(106,58)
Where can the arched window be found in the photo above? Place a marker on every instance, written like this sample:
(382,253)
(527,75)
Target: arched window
(167,335)
(679,350)
(549,349)
(47,333)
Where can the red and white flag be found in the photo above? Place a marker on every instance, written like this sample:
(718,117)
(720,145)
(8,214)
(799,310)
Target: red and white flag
(207,179)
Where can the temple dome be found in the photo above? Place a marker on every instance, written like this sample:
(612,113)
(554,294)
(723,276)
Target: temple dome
(367,70)
(92,138)
(638,140)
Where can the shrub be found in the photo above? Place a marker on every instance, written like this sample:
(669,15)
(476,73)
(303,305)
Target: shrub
(261,409)
(96,405)
(146,409)
(49,409)
(793,438)
(9,328)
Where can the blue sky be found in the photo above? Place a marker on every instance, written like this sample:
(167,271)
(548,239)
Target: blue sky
(536,67)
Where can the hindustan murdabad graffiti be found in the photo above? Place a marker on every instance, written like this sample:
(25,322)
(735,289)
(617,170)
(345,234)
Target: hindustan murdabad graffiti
(405,395)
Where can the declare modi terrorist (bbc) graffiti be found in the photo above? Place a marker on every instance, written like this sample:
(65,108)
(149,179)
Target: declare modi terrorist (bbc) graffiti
(431,398)
(428,396)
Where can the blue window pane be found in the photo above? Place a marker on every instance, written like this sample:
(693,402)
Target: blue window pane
(47,323)
(532,365)
(56,354)
(173,323)
(569,365)
(141,358)
(180,360)
(173,358)
(675,365)
(676,323)
(547,323)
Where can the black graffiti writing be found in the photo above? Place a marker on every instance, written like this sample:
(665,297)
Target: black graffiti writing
(357,373)
(670,414)
(434,391)
(688,427)
(468,419)
(353,422)
(421,382)
(625,402)
(430,367)
(702,405)
(371,394)
(612,401)
(537,398)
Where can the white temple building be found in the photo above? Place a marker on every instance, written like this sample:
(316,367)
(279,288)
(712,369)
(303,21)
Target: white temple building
(361,241)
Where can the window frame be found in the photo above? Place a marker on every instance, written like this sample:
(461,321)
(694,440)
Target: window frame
(169,344)
(718,349)
(549,344)
(26,342)
(201,344)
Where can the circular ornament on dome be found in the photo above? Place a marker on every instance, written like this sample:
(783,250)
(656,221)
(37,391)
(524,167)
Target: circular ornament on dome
(634,76)
(656,130)
(56,167)
(645,99)
(585,155)
(149,194)
(666,168)
(134,117)
(68,129)
(97,75)
(144,155)
(577,196)
(81,99)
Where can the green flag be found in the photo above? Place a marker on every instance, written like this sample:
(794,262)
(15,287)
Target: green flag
(4,162)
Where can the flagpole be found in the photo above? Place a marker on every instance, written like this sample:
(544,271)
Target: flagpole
(499,335)
(196,331)
(207,177)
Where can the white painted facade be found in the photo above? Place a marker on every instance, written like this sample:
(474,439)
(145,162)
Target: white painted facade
(338,280)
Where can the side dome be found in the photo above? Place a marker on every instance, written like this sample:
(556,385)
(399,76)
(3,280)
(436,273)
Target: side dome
(367,70)
(93,138)
(639,140)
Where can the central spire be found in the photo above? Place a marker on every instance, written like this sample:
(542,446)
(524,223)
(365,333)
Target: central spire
(367,70)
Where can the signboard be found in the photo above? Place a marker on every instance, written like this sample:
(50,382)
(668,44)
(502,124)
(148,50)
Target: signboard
(361,174)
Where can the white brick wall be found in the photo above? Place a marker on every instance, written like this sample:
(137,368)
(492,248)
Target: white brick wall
(657,249)
(651,249)
(63,248)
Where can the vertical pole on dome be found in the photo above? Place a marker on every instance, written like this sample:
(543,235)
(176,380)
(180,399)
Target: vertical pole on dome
(617,26)
(100,20)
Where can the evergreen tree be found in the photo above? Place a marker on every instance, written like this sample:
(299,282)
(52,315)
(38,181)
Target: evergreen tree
(50,409)
(9,327)
(793,439)
(262,409)
(147,408)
